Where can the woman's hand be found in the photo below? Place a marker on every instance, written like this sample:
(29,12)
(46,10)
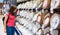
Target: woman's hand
(4,30)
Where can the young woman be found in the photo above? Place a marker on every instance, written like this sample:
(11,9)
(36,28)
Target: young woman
(9,21)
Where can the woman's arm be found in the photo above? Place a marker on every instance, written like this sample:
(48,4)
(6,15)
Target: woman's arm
(5,20)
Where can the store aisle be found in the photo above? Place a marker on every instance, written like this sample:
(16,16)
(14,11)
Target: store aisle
(1,26)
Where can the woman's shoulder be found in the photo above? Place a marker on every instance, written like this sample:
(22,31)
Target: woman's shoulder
(6,14)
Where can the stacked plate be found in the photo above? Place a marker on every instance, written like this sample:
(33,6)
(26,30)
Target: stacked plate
(29,5)
(55,21)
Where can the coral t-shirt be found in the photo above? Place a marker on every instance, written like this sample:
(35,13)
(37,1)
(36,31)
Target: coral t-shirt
(11,20)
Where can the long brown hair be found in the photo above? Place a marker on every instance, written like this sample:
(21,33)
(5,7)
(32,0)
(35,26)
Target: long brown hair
(11,11)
